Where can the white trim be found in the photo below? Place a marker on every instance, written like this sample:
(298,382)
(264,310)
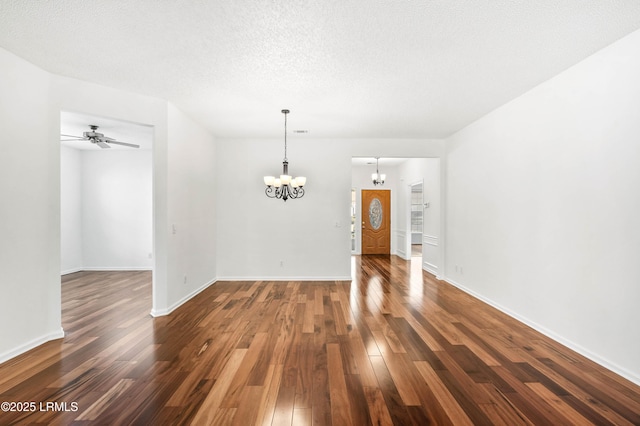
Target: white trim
(31,344)
(117,268)
(162,312)
(409,208)
(430,267)
(263,278)
(629,375)
(430,240)
(107,268)
(401,243)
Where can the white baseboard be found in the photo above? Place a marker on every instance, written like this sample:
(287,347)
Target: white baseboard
(71,271)
(107,268)
(629,375)
(430,267)
(162,312)
(117,268)
(402,254)
(31,344)
(263,278)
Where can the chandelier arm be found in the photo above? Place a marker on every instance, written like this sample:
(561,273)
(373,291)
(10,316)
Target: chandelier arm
(284,192)
(270,192)
(298,192)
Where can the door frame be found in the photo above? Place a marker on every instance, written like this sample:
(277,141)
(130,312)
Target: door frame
(408,233)
(357,251)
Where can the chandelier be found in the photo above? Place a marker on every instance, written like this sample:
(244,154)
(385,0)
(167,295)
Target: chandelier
(377,178)
(285,187)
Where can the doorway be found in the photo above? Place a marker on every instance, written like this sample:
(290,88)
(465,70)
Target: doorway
(416,219)
(106,195)
(402,173)
(376,221)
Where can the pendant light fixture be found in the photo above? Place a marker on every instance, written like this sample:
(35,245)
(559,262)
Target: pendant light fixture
(285,187)
(377,178)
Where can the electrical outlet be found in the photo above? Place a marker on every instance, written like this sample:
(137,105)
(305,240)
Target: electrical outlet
(282,263)
(185,278)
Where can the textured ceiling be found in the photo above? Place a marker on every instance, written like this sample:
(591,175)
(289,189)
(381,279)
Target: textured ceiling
(361,68)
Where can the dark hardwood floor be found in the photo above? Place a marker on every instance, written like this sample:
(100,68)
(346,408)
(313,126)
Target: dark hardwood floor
(395,346)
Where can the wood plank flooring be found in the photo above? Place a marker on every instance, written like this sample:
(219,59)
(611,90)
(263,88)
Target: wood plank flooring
(395,346)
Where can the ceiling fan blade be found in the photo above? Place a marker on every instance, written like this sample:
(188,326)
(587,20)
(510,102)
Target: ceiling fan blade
(72,136)
(71,140)
(102,145)
(124,144)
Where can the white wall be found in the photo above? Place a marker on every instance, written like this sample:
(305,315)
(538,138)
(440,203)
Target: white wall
(117,210)
(106,210)
(256,234)
(181,151)
(30,158)
(427,171)
(542,202)
(29,210)
(70,210)
(67,94)
(192,209)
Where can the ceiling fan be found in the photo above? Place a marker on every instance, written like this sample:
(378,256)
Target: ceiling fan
(97,138)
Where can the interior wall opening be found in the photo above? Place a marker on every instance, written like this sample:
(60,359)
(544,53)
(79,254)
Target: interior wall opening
(416,219)
(106,190)
(415,187)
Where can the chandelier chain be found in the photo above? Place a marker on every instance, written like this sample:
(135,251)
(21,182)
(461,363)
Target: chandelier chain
(285,134)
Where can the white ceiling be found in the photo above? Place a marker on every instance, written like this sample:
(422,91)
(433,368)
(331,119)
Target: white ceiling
(360,68)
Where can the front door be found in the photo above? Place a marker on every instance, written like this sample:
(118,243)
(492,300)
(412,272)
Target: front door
(376,223)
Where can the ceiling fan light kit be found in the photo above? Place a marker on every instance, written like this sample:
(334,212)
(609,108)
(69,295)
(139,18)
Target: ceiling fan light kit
(98,138)
(285,187)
